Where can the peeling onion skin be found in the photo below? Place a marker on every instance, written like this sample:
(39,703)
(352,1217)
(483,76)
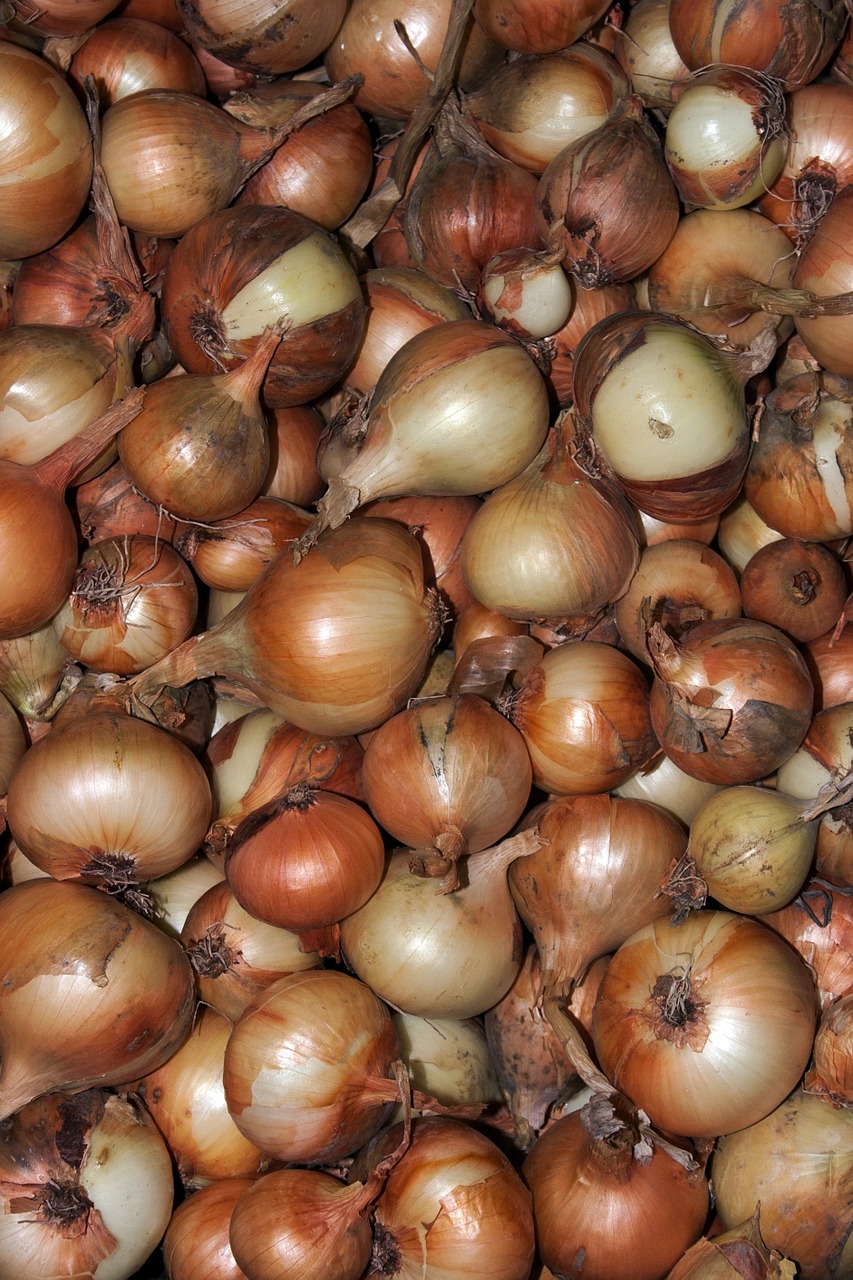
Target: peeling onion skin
(68,945)
(269,40)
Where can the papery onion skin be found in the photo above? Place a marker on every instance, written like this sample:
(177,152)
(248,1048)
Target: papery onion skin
(596,1204)
(825,269)
(801,1150)
(818,924)
(799,587)
(126,55)
(111,800)
(735,1043)
(280,37)
(453,1207)
(306,1067)
(47,154)
(91,994)
(537,26)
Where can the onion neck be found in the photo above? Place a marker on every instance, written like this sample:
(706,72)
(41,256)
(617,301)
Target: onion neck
(59,468)
(243,384)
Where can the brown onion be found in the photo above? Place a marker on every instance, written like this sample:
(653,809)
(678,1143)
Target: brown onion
(231,554)
(307,1067)
(47,154)
(720,714)
(819,925)
(126,55)
(825,268)
(537,26)
(283,36)
(196,1244)
(294,436)
(464,772)
(799,587)
(92,993)
(132,601)
(240,270)
(306,641)
(584,713)
(706,1025)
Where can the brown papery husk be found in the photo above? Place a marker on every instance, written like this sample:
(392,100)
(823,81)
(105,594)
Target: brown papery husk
(576,530)
(825,266)
(818,164)
(593,881)
(819,926)
(200,448)
(831,1074)
(466,204)
(609,200)
(720,715)
(335,644)
(230,554)
(738,1254)
(108,506)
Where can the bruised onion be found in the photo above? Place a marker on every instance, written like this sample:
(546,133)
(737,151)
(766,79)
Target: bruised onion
(284,36)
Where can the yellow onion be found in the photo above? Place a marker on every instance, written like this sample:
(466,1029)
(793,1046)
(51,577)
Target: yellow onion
(724,1256)
(806,1143)
(706,1025)
(186,1100)
(284,36)
(305,637)
(196,1244)
(92,992)
(831,1074)
(111,800)
(307,1067)
(47,154)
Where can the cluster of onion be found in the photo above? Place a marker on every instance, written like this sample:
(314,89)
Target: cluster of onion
(399,576)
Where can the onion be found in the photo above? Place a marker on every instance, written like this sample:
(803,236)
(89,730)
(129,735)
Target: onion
(92,993)
(182,449)
(173,895)
(533,106)
(46,168)
(38,541)
(323,169)
(608,200)
(799,587)
(305,640)
(584,713)
(742,532)
(728,1252)
(720,714)
(127,55)
(110,800)
(828,662)
(306,860)
(601,1193)
(662,783)
(370,43)
(707,1025)
(642,377)
(453,1206)
(593,881)
(804,1142)
(677,583)
(284,36)
(831,1075)
(818,925)
(230,554)
(12,743)
(825,755)
(527,292)
(590,306)
(466,204)
(294,436)
(791,41)
(76,1173)
(537,26)
(307,1067)
(448,1059)
(552,544)
(132,601)
(464,772)
(726,138)
(428,413)
(196,1244)
(108,506)
(237,272)
(648,54)
(448,955)
(185,1098)
(401,302)
(235,956)
(825,269)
